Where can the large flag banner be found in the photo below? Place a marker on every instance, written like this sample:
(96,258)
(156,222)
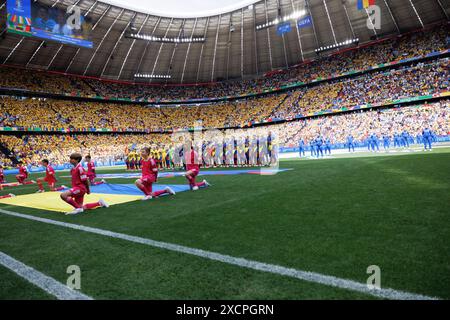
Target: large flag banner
(304,22)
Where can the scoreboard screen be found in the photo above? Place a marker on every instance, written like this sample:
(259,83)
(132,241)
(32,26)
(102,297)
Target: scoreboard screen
(32,19)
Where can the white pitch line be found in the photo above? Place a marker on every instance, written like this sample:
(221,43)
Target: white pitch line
(48,284)
(314,277)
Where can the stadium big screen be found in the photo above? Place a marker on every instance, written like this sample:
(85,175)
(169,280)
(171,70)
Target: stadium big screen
(33,19)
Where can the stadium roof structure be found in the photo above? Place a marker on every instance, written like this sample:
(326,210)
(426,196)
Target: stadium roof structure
(234,48)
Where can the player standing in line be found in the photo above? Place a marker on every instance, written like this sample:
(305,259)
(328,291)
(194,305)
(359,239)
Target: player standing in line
(374,142)
(319,143)
(386,142)
(135,161)
(328,146)
(301,148)
(49,178)
(149,176)
(131,160)
(169,156)
(247,151)
(419,139)
(91,172)
(138,162)
(396,140)
(127,162)
(23,174)
(369,143)
(350,143)
(312,147)
(80,187)
(405,139)
(193,169)
(427,137)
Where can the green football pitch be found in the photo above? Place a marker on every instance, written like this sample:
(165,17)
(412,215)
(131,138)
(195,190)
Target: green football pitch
(333,217)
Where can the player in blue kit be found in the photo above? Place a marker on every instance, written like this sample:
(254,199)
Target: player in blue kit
(328,146)
(319,144)
(350,143)
(301,148)
(374,142)
(405,139)
(386,142)
(396,141)
(312,148)
(369,143)
(427,137)
(419,138)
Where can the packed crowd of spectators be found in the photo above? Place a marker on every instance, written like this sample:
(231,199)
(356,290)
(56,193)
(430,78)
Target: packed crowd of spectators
(361,58)
(424,78)
(380,87)
(373,88)
(361,124)
(54,115)
(5,161)
(336,128)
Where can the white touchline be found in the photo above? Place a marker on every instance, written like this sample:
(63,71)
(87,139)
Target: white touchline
(241,262)
(50,285)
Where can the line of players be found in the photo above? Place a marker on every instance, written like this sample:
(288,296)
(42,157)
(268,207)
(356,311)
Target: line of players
(318,146)
(82,180)
(231,152)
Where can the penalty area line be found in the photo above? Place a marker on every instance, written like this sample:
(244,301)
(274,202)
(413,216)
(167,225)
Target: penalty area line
(332,281)
(46,283)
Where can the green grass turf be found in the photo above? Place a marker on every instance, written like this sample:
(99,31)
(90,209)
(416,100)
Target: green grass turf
(14,287)
(335,217)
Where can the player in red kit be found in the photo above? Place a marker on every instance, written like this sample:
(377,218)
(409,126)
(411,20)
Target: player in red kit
(80,187)
(91,172)
(2,175)
(2,180)
(49,178)
(23,174)
(193,169)
(149,176)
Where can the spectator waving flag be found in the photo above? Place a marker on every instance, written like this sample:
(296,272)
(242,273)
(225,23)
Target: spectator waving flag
(364,4)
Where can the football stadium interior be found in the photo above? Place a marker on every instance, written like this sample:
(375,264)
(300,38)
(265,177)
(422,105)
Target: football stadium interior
(224,150)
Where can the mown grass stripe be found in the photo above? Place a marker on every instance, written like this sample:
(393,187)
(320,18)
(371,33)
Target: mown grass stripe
(46,283)
(314,277)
